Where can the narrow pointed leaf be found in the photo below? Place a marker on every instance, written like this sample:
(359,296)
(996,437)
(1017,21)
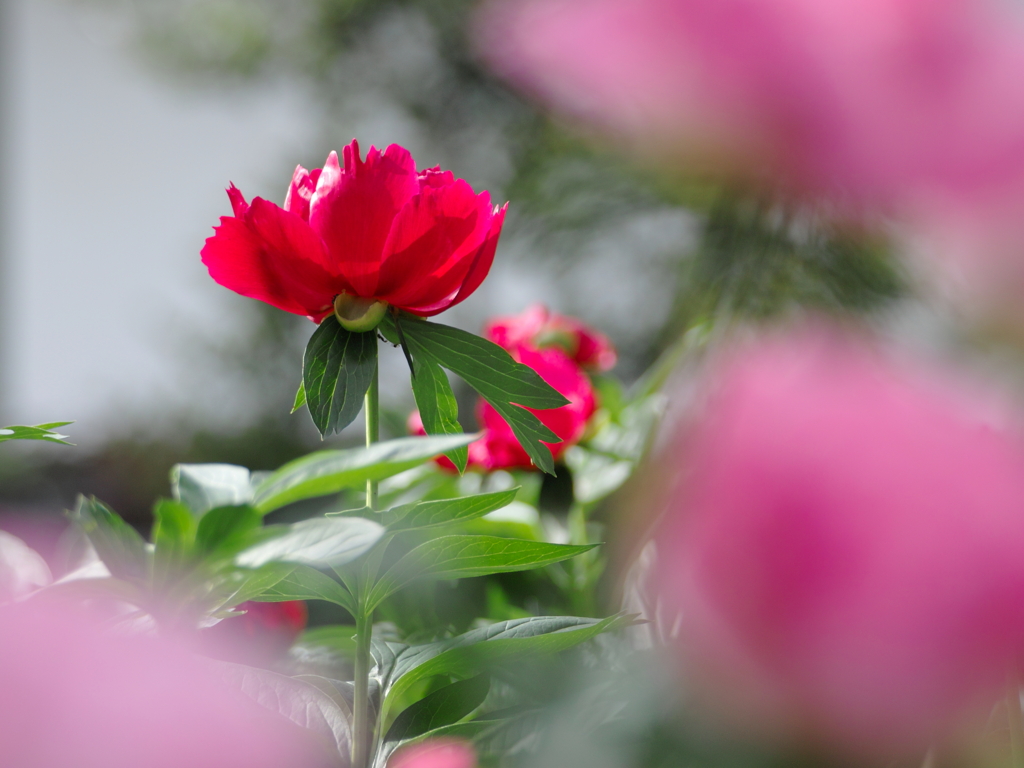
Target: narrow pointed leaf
(456,557)
(431,514)
(305,583)
(472,652)
(509,386)
(322,541)
(300,397)
(244,584)
(202,487)
(443,707)
(118,545)
(436,402)
(325,472)
(336,372)
(38,432)
(340,638)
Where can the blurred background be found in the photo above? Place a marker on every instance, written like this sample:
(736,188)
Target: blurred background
(124,121)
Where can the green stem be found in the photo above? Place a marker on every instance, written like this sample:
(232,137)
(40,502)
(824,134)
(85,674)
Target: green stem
(372,410)
(580,587)
(1016,718)
(361,728)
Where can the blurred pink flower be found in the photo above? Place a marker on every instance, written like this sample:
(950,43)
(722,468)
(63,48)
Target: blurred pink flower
(435,753)
(845,543)
(878,102)
(73,695)
(539,327)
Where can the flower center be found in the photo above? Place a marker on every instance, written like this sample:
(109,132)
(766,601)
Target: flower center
(358,314)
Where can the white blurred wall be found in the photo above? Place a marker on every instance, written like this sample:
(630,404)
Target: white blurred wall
(116,178)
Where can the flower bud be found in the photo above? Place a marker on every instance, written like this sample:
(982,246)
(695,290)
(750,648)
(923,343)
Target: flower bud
(358,314)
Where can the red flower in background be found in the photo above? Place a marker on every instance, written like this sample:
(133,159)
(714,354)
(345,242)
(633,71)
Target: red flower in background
(556,347)
(539,327)
(261,635)
(376,230)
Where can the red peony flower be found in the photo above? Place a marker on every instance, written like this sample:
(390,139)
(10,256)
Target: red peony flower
(371,234)
(498,448)
(539,327)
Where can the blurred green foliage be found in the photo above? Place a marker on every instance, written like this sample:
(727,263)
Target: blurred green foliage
(641,253)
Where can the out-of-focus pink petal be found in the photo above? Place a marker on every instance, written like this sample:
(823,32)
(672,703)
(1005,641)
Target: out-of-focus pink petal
(512,332)
(882,102)
(300,192)
(353,208)
(432,245)
(436,753)
(73,695)
(273,256)
(845,544)
(538,327)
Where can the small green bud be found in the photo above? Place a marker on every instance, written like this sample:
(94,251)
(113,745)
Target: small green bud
(358,314)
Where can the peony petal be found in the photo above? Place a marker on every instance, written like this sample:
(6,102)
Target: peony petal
(353,209)
(238,204)
(478,269)
(273,256)
(300,191)
(432,244)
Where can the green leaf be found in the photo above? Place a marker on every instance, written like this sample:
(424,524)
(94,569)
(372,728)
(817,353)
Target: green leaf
(302,703)
(340,638)
(443,707)
(174,528)
(596,475)
(325,472)
(39,432)
(305,583)
(173,524)
(438,408)
(321,541)
(472,652)
(510,387)
(300,398)
(336,372)
(225,531)
(431,514)
(118,545)
(203,487)
(457,557)
(244,584)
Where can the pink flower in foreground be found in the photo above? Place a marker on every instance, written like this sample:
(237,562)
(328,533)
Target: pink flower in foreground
(498,448)
(435,753)
(881,101)
(539,327)
(262,634)
(845,544)
(374,232)
(73,695)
